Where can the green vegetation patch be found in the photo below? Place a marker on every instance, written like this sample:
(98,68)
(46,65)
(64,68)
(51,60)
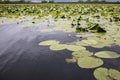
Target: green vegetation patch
(75,48)
(47,30)
(107,54)
(82,53)
(48,42)
(89,62)
(58,47)
(106,74)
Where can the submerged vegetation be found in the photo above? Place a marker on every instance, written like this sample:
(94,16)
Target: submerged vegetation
(96,26)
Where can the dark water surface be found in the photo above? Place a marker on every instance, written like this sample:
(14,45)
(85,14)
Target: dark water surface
(21,58)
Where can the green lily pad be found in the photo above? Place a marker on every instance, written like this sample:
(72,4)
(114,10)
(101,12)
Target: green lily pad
(69,30)
(114,74)
(82,53)
(29,25)
(89,62)
(46,30)
(48,42)
(73,60)
(89,42)
(65,29)
(106,74)
(75,48)
(107,54)
(57,47)
(101,74)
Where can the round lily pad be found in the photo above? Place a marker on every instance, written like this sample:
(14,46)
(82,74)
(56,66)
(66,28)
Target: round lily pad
(89,62)
(106,74)
(101,74)
(57,47)
(82,53)
(107,54)
(75,48)
(89,42)
(114,74)
(48,42)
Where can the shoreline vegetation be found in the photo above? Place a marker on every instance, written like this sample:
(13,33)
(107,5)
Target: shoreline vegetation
(29,2)
(90,31)
(84,18)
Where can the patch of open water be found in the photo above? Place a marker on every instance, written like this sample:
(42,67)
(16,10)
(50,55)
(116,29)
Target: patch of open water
(21,58)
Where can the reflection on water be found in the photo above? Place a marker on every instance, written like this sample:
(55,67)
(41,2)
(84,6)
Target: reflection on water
(21,58)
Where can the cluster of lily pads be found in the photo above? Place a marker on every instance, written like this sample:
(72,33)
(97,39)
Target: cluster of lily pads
(97,26)
(110,12)
(106,74)
(83,17)
(87,59)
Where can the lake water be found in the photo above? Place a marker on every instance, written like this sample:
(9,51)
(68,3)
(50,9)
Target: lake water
(21,58)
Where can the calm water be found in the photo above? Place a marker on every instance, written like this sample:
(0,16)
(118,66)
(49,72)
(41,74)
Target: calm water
(21,58)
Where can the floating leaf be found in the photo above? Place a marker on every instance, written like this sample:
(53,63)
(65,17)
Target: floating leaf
(89,42)
(89,62)
(73,60)
(114,74)
(64,28)
(82,53)
(101,74)
(57,47)
(75,48)
(48,42)
(46,30)
(69,30)
(107,54)
(106,74)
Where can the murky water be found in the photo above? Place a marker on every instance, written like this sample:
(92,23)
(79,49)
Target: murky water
(21,58)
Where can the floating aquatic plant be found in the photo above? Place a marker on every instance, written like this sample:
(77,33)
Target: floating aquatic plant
(89,62)
(97,28)
(73,60)
(115,74)
(82,53)
(102,74)
(48,42)
(58,47)
(89,42)
(107,54)
(106,74)
(88,19)
(47,30)
(75,48)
